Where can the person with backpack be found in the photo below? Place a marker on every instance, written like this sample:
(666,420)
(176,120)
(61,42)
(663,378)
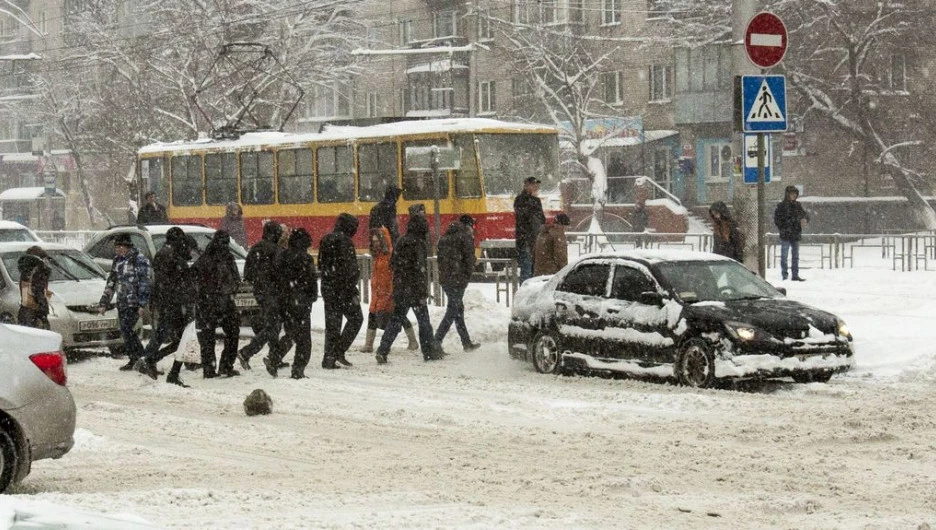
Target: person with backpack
(260,271)
(216,280)
(340,275)
(34,288)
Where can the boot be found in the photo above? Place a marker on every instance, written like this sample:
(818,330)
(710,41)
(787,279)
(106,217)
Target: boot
(243,359)
(328,363)
(369,341)
(173,379)
(344,361)
(271,368)
(129,366)
(411,337)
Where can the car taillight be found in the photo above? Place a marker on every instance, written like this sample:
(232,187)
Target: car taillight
(52,364)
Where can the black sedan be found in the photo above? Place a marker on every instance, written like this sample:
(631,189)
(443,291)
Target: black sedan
(694,316)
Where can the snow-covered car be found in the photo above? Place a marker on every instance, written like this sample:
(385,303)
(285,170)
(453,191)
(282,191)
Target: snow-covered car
(13,231)
(76,284)
(37,412)
(694,316)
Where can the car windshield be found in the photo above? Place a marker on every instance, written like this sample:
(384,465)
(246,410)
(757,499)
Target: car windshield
(202,238)
(16,234)
(714,281)
(66,265)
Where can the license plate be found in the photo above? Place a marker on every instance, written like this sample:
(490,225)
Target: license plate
(97,325)
(245,302)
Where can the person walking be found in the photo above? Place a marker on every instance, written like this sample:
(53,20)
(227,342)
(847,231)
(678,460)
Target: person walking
(298,290)
(551,252)
(152,213)
(410,290)
(34,288)
(727,238)
(456,264)
(640,221)
(790,217)
(129,280)
(384,213)
(528,219)
(217,279)
(260,271)
(340,275)
(173,291)
(233,223)
(381,304)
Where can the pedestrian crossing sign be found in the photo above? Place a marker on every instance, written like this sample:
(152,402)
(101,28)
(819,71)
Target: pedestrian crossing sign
(763,99)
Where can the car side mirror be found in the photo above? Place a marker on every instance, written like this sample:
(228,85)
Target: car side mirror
(782,290)
(651,298)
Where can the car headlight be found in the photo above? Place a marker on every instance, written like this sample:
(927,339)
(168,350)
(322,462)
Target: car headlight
(842,329)
(745,332)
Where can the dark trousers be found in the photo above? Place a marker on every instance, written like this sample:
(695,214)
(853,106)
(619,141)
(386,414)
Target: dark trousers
(270,325)
(396,324)
(221,314)
(169,329)
(298,324)
(32,318)
(454,313)
(127,317)
(374,322)
(338,339)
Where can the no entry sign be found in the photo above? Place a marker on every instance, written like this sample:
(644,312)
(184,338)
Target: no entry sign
(765,40)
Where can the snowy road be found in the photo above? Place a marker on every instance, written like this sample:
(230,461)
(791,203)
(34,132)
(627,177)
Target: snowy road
(480,441)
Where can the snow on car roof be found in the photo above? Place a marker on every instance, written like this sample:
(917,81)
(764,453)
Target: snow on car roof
(657,255)
(15,246)
(162,229)
(7,225)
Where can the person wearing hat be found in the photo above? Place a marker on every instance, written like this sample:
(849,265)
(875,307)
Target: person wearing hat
(34,288)
(129,280)
(790,218)
(552,252)
(528,219)
(456,263)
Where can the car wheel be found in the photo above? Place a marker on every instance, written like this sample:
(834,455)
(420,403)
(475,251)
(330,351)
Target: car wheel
(695,364)
(547,354)
(820,377)
(8,458)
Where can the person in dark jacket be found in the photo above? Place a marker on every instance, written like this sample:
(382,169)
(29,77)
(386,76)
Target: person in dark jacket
(298,290)
(529,219)
(260,271)
(790,218)
(340,275)
(173,291)
(551,252)
(640,221)
(384,213)
(233,223)
(152,213)
(129,280)
(34,287)
(456,264)
(216,279)
(381,293)
(727,239)
(410,290)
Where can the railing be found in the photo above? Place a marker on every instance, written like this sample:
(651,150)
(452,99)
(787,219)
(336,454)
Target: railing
(74,238)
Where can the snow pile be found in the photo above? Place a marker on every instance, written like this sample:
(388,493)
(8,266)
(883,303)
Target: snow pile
(21,514)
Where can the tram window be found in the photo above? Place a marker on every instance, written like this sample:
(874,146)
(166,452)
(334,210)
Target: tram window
(335,174)
(220,178)
(377,169)
(294,168)
(467,183)
(187,180)
(418,185)
(257,177)
(155,178)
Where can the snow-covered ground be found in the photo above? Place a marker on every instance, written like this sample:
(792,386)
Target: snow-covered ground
(481,441)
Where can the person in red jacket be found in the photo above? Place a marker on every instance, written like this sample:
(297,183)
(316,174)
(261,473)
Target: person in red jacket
(381,304)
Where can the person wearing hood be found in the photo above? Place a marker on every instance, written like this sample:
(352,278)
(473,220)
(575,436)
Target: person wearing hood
(260,271)
(340,275)
(410,290)
(384,213)
(34,288)
(789,217)
(233,223)
(381,304)
(216,278)
(129,279)
(456,264)
(551,251)
(298,290)
(727,238)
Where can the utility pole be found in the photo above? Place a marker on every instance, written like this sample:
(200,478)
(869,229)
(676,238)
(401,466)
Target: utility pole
(745,199)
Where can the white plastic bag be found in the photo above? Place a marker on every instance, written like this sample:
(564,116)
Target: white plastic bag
(189,351)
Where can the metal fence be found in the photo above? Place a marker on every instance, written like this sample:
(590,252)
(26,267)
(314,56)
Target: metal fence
(74,238)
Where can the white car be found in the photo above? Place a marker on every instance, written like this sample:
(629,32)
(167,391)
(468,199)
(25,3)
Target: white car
(12,231)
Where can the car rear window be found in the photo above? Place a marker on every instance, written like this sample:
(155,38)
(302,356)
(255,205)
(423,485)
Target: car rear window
(16,235)
(66,265)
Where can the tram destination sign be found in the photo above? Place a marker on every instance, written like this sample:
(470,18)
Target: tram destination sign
(420,158)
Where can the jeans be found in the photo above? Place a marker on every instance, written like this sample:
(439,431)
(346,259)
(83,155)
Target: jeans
(454,313)
(338,339)
(525,263)
(785,248)
(168,329)
(128,316)
(270,325)
(396,323)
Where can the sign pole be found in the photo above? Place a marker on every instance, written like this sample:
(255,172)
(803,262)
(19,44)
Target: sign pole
(761,205)
(435,198)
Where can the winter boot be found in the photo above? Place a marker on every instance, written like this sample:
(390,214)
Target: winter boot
(369,341)
(471,346)
(411,337)
(344,361)
(271,368)
(328,363)
(243,359)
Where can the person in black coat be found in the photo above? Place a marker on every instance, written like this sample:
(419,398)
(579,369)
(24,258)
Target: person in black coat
(152,213)
(340,275)
(410,290)
(298,290)
(727,238)
(260,271)
(216,279)
(789,218)
(384,213)
(529,219)
(456,264)
(33,286)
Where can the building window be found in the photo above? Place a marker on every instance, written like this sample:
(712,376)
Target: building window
(613,93)
(372,107)
(371,41)
(521,11)
(443,24)
(655,9)
(486,96)
(661,82)
(43,28)
(520,87)
(719,163)
(406,31)
(485,28)
(897,78)
(330,102)
(611,12)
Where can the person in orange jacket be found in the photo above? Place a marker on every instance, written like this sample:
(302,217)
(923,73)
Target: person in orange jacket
(381,305)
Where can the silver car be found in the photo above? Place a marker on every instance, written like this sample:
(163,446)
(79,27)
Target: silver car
(13,231)
(76,284)
(37,412)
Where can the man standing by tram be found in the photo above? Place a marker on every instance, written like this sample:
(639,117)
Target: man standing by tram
(529,219)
